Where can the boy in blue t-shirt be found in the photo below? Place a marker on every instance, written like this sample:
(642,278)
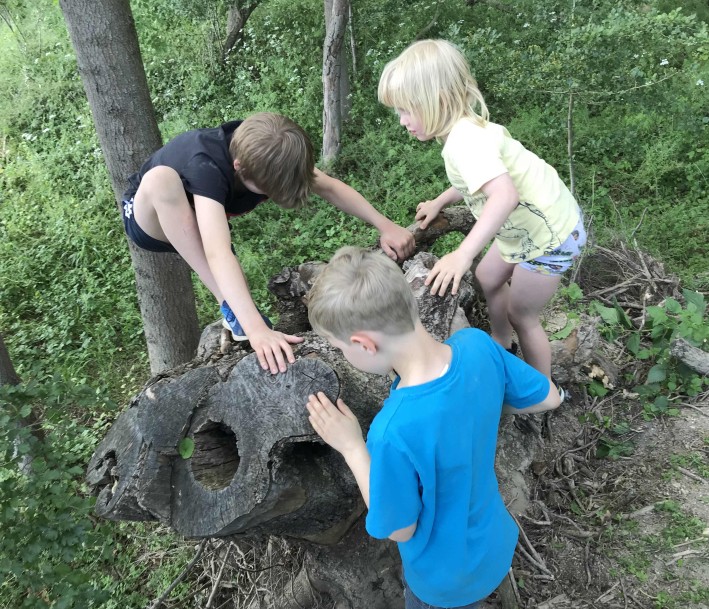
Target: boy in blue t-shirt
(426,471)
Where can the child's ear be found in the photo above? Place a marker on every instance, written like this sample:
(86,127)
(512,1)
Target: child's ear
(365,341)
(237,165)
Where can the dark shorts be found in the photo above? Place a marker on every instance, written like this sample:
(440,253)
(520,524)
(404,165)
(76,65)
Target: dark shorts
(138,236)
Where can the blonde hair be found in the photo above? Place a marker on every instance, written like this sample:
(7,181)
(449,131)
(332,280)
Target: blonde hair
(361,290)
(431,79)
(277,156)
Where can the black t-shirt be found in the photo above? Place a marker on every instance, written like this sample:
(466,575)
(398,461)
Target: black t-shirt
(201,158)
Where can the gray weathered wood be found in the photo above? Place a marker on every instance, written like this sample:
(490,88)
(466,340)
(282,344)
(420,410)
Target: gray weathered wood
(693,357)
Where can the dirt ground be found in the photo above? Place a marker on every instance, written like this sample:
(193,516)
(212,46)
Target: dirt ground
(627,531)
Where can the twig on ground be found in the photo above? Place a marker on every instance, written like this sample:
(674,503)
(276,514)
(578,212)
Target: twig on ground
(689,474)
(176,582)
(681,555)
(218,580)
(607,592)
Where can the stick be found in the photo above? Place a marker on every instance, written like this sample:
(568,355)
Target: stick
(689,474)
(215,587)
(570,143)
(635,230)
(176,582)
(607,592)
(681,555)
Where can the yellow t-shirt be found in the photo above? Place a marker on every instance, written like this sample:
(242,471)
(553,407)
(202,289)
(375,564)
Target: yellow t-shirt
(547,211)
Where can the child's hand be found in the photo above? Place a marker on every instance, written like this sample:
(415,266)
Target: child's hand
(397,242)
(450,268)
(337,425)
(427,211)
(271,347)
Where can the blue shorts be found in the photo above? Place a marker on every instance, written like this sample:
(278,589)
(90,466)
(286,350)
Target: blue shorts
(138,236)
(559,260)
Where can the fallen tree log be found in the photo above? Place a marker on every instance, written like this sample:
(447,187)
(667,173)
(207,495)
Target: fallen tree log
(256,464)
(219,447)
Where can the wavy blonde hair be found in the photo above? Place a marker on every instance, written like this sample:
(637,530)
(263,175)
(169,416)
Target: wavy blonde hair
(361,290)
(276,155)
(431,79)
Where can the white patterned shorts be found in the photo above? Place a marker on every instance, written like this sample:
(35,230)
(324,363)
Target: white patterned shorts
(561,259)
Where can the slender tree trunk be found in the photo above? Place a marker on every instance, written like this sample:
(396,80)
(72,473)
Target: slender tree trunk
(336,12)
(8,376)
(106,45)
(238,15)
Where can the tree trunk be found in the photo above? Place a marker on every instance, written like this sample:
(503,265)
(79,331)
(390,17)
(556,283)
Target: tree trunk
(8,375)
(237,17)
(336,12)
(106,45)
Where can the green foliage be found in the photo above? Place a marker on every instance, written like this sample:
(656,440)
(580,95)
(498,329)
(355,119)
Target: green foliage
(671,320)
(47,534)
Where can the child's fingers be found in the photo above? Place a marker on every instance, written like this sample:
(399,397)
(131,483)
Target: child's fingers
(292,339)
(344,409)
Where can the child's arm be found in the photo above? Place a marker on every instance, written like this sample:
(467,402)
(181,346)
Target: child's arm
(550,402)
(502,198)
(397,242)
(272,348)
(427,211)
(338,427)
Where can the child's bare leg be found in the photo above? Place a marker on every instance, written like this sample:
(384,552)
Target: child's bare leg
(162,210)
(493,273)
(529,293)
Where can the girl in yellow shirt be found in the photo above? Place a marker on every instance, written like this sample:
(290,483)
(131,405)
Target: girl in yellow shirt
(518,200)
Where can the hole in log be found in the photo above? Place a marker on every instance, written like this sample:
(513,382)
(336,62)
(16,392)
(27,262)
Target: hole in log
(215,458)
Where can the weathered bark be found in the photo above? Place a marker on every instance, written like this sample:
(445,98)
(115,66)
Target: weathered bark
(336,12)
(106,45)
(8,375)
(257,464)
(238,15)
(694,358)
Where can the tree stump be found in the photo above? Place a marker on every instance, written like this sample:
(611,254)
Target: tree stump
(256,466)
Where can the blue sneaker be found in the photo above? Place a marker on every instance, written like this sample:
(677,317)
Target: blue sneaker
(232,323)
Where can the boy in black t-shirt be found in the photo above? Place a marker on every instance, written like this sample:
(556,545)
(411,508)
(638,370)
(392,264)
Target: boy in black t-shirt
(183,195)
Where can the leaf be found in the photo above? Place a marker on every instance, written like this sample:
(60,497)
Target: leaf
(610,316)
(186,448)
(673,306)
(696,299)
(634,343)
(564,332)
(661,403)
(597,389)
(656,374)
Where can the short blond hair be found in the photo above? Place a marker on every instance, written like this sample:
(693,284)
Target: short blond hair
(277,156)
(361,290)
(431,79)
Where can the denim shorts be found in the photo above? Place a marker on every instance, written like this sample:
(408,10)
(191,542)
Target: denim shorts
(137,235)
(411,601)
(559,260)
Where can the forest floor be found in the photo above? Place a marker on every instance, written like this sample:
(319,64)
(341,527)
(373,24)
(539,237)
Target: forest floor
(621,532)
(619,510)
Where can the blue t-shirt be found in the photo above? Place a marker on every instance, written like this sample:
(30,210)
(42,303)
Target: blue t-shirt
(433,454)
